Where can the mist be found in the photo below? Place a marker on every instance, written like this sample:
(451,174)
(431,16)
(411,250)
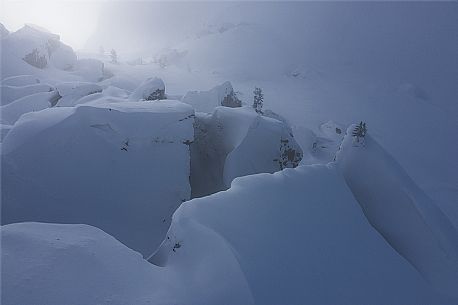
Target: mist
(229,152)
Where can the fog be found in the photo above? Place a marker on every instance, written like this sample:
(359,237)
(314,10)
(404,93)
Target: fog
(229,152)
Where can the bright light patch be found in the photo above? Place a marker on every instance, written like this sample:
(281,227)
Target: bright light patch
(74,21)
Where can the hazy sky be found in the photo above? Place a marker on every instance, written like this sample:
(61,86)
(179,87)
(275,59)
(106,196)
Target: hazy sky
(73,20)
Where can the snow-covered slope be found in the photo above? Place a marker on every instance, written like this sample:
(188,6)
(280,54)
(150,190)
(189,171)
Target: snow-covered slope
(56,264)
(408,219)
(123,167)
(70,93)
(252,244)
(12,93)
(11,112)
(36,48)
(293,240)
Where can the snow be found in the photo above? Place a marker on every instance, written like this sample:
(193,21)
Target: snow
(71,92)
(90,69)
(293,241)
(235,142)
(206,101)
(31,37)
(407,218)
(372,223)
(54,263)
(148,90)
(3,31)
(123,167)
(20,80)
(30,103)
(233,246)
(12,93)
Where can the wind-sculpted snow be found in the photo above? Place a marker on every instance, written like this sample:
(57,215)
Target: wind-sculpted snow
(20,80)
(71,92)
(40,48)
(403,214)
(57,264)
(12,93)
(294,241)
(30,103)
(207,101)
(270,239)
(123,167)
(235,142)
(150,89)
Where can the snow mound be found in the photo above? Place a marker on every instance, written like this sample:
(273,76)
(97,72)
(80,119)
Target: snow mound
(123,167)
(4,129)
(20,80)
(206,101)
(120,82)
(53,264)
(12,93)
(90,69)
(234,142)
(288,228)
(71,92)
(39,48)
(152,88)
(30,103)
(403,214)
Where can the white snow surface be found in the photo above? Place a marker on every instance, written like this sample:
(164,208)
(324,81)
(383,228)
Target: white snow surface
(12,93)
(403,214)
(146,88)
(233,247)
(122,167)
(293,241)
(235,142)
(11,112)
(207,101)
(71,92)
(57,264)
(20,80)
(377,227)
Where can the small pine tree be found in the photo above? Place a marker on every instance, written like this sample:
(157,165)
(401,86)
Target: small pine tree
(114,56)
(258,100)
(360,131)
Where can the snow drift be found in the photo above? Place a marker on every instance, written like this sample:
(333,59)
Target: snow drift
(55,264)
(235,142)
(30,103)
(123,167)
(206,101)
(405,216)
(152,88)
(288,228)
